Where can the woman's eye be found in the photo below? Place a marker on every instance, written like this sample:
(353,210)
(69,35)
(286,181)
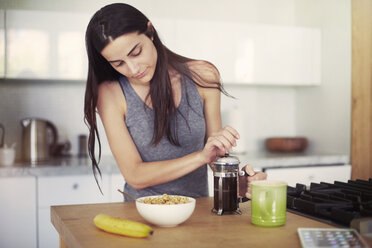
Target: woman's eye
(138,52)
(119,64)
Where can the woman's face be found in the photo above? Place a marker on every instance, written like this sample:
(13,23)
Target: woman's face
(133,55)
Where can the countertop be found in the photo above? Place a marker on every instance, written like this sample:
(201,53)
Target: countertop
(263,159)
(75,225)
(67,165)
(73,165)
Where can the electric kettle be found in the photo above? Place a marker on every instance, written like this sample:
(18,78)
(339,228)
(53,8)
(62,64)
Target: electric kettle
(39,138)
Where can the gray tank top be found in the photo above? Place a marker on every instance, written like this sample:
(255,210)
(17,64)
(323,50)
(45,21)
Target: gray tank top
(190,129)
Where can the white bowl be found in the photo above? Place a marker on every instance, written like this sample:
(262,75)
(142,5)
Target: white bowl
(165,215)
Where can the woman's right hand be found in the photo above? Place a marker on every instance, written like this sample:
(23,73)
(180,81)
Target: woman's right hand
(219,143)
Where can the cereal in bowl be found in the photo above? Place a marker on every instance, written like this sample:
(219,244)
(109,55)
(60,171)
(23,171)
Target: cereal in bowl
(165,199)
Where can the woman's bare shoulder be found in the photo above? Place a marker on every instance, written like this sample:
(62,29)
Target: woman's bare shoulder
(207,72)
(108,86)
(110,94)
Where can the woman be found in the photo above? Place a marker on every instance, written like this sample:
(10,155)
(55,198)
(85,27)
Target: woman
(160,111)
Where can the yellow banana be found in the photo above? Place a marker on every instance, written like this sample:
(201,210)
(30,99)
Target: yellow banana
(122,226)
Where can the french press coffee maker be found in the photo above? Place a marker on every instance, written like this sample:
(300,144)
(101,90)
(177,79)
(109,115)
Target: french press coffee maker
(225,175)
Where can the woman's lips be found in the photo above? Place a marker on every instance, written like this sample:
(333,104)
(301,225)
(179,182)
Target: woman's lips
(142,74)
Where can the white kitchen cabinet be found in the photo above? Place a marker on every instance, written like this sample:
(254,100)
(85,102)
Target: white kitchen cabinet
(244,52)
(213,41)
(167,32)
(65,190)
(46,44)
(18,212)
(76,189)
(310,174)
(47,234)
(252,53)
(117,182)
(274,54)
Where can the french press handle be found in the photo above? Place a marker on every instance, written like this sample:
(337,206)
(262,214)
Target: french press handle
(243,199)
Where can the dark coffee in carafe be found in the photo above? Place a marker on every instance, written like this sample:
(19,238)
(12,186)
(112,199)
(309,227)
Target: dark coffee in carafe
(225,174)
(228,195)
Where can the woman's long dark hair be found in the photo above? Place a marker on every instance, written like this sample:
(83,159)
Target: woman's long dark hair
(106,25)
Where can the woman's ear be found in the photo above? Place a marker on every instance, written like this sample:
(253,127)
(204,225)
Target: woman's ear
(150,30)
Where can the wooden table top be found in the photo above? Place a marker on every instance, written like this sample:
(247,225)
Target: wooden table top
(75,225)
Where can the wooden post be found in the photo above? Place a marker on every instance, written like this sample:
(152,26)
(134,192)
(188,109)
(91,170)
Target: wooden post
(361,127)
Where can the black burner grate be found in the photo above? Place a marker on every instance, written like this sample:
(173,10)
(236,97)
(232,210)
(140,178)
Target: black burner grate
(338,203)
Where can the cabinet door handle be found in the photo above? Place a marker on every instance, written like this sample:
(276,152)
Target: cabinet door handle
(75,186)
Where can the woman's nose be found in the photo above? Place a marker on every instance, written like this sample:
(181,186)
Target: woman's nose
(133,67)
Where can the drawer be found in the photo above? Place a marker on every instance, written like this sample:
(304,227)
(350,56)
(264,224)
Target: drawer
(307,175)
(47,234)
(76,189)
(18,212)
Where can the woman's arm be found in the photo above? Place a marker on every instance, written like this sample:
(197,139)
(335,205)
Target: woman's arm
(212,106)
(111,107)
(213,119)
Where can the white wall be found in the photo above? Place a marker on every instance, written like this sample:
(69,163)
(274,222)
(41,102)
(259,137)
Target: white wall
(322,113)
(61,103)
(265,111)
(259,112)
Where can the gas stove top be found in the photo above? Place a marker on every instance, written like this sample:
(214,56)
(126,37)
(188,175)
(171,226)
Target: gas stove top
(337,204)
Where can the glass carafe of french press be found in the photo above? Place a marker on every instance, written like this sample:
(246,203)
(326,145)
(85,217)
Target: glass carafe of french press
(225,175)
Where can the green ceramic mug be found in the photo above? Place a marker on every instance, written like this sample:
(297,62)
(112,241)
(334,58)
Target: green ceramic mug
(269,203)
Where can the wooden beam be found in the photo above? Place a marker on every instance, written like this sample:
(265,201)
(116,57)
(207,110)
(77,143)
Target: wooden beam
(361,127)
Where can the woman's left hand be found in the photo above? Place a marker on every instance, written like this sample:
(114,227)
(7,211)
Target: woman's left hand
(245,188)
